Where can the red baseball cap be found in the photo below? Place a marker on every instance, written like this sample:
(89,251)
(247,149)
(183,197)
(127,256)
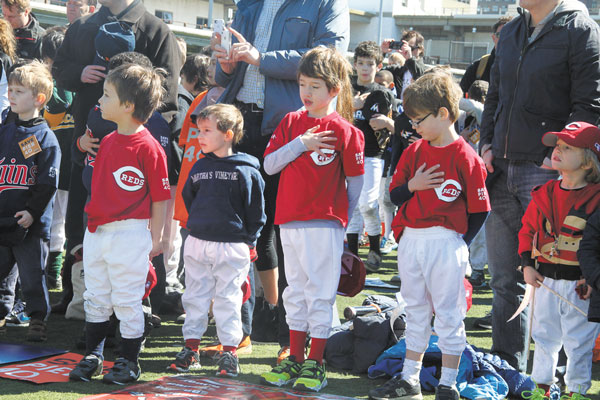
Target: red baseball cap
(577,134)
(352,275)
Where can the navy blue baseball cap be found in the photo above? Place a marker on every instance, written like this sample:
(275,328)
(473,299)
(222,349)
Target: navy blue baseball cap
(112,38)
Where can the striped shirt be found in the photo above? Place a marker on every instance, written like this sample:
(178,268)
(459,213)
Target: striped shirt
(253,88)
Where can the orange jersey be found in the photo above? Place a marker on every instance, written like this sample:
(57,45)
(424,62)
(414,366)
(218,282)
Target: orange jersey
(188,139)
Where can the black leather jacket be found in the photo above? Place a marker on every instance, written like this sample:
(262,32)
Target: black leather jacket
(542,85)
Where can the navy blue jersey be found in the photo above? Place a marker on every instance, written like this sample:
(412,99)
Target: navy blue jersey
(98,127)
(29,158)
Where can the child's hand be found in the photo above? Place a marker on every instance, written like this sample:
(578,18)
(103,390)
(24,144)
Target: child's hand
(317,141)
(380,121)
(426,179)
(359,100)
(89,144)
(25,218)
(532,277)
(584,291)
(156,248)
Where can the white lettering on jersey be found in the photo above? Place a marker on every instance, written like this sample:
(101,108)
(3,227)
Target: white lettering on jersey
(482,193)
(360,158)
(448,191)
(129,178)
(320,160)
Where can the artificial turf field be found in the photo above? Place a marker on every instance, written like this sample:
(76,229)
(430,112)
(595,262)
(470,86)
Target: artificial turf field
(166,341)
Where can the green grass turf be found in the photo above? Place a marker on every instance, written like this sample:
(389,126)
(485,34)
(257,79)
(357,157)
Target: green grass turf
(166,341)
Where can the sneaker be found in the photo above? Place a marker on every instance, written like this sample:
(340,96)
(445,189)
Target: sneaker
(282,354)
(228,365)
(37,331)
(312,376)
(185,361)
(484,322)
(396,280)
(443,392)
(87,368)
(180,318)
(18,316)
(215,351)
(373,261)
(574,396)
(396,389)
(536,394)
(388,245)
(286,372)
(124,371)
(477,279)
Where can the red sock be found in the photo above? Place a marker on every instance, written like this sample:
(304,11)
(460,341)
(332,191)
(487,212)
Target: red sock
(230,349)
(297,342)
(317,348)
(193,344)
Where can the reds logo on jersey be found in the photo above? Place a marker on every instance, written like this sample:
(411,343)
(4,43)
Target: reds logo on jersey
(129,178)
(16,176)
(320,160)
(448,191)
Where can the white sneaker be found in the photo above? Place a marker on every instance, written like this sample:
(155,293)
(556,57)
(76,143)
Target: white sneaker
(387,245)
(373,261)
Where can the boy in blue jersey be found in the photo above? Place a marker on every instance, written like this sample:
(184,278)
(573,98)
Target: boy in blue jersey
(29,169)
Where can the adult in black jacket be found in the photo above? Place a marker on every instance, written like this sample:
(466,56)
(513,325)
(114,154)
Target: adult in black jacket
(27,29)
(546,74)
(588,256)
(74,70)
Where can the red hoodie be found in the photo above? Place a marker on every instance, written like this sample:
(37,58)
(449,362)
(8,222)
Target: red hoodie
(554,221)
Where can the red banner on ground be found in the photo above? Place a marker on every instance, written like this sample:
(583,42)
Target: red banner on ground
(192,387)
(53,369)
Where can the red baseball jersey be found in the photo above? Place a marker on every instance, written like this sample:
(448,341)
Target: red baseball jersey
(463,190)
(312,186)
(130,173)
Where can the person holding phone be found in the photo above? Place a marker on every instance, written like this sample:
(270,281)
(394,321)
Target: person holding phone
(411,48)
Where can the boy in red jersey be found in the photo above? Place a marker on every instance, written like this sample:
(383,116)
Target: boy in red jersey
(439,185)
(130,187)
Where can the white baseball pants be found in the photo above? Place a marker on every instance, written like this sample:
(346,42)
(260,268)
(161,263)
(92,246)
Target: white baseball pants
(386,207)
(214,270)
(115,262)
(367,211)
(556,324)
(57,228)
(312,268)
(432,264)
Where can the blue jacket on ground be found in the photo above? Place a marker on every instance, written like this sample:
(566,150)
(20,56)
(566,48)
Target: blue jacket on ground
(224,199)
(480,375)
(298,26)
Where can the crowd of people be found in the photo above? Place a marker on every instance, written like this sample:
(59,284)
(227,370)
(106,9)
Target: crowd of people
(133,173)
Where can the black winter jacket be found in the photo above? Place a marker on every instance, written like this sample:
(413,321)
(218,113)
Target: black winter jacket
(470,75)
(153,38)
(541,86)
(29,39)
(589,262)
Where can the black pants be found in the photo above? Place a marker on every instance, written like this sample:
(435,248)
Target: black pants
(30,257)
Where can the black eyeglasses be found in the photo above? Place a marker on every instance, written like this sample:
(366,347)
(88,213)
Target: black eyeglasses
(417,123)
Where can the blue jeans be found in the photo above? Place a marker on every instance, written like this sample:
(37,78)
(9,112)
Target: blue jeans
(510,194)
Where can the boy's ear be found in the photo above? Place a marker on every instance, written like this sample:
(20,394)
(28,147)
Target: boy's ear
(379,66)
(129,107)
(392,85)
(335,91)
(229,134)
(443,112)
(40,99)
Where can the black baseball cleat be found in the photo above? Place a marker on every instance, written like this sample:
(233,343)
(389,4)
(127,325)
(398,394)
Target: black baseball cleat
(123,372)
(88,367)
(396,389)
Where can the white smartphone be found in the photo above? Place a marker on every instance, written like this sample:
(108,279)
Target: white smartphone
(219,27)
